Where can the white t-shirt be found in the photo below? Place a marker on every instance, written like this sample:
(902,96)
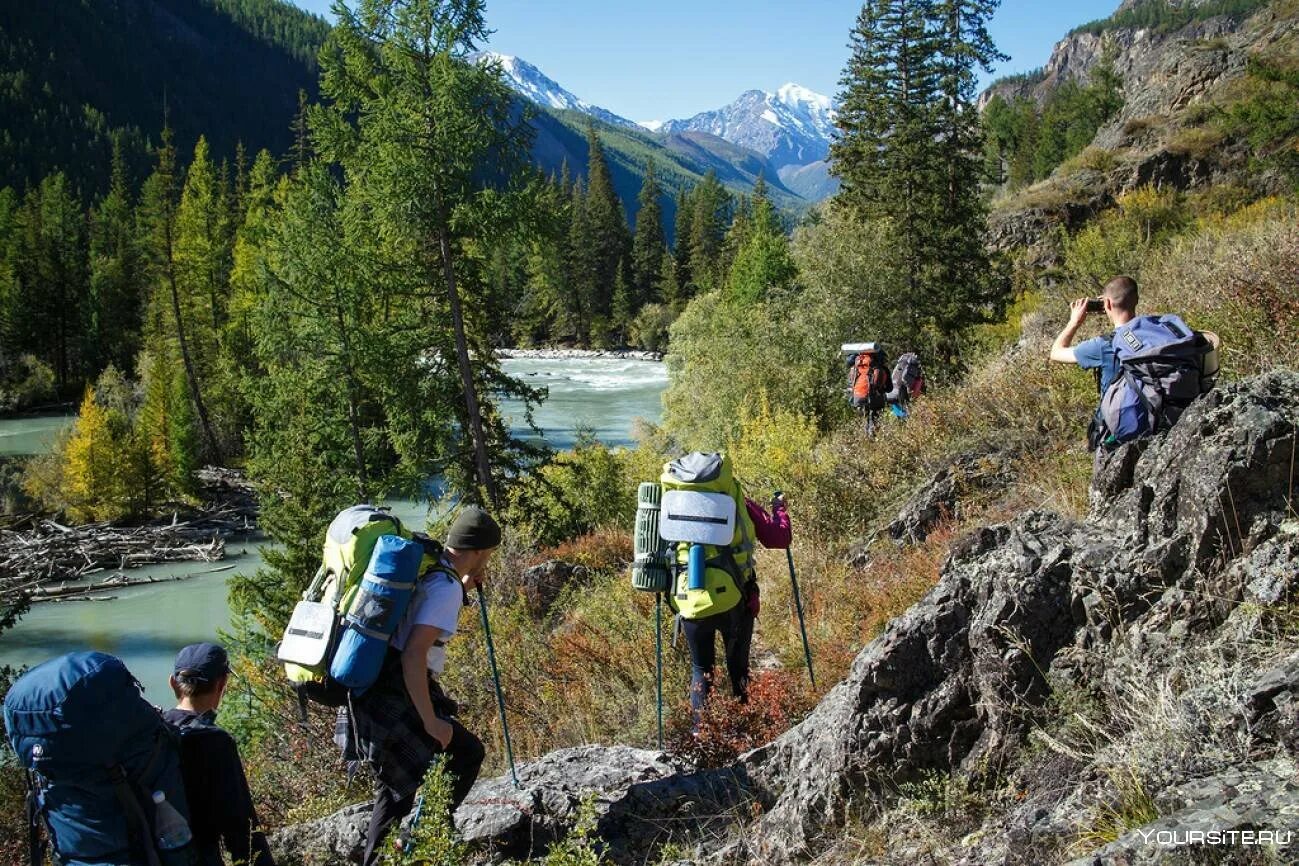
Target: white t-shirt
(438,601)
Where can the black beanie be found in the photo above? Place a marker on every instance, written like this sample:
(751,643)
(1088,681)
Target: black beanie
(473,529)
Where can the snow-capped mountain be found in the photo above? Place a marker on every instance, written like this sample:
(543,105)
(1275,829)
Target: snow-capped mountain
(536,86)
(791,127)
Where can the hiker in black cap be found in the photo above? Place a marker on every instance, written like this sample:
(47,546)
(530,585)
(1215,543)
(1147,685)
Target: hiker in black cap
(220,805)
(405,719)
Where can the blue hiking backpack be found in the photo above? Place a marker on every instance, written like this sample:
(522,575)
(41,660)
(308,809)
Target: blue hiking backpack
(1164,366)
(95,751)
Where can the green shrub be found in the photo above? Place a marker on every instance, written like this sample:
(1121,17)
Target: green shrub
(432,841)
(25,382)
(577,492)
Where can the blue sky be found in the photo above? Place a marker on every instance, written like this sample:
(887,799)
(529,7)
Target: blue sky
(674,58)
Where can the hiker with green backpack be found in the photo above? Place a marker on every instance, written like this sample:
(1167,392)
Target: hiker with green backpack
(711,528)
(404,720)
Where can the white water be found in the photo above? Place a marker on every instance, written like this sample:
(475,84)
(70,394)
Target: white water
(145,626)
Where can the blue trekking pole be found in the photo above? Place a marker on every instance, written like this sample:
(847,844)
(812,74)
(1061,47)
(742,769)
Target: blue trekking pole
(798,605)
(496,681)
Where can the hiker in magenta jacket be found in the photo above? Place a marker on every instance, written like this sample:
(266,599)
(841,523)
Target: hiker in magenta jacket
(772,531)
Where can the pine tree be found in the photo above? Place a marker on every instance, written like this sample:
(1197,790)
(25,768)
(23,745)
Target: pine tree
(648,244)
(762,261)
(681,230)
(580,273)
(709,220)
(623,311)
(432,146)
(962,288)
(115,273)
(52,285)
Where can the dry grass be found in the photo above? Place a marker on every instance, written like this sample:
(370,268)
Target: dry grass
(1197,142)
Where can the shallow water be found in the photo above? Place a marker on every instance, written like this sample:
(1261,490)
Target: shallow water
(145,626)
(24,436)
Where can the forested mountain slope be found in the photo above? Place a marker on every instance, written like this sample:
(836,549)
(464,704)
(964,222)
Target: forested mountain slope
(1194,97)
(73,74)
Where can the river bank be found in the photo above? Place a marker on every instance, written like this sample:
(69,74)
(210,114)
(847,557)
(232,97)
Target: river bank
(562,354)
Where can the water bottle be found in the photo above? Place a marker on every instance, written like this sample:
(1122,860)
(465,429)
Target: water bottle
(170,826)
(695,567)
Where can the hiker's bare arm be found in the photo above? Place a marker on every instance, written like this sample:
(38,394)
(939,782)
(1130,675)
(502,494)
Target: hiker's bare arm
(414,670)
(1062,350)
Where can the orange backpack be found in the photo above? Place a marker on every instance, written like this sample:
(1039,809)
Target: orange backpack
(871,382)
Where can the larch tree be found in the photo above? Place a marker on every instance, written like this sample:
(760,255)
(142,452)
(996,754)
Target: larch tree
(170,311)
(433,146)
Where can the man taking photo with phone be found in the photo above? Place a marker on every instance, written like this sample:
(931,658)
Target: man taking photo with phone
(1118,301)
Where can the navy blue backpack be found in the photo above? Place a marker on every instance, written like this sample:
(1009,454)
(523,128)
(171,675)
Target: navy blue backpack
(95,751)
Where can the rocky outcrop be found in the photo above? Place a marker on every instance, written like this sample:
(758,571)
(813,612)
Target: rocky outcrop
(1164,75)
(542,583)
(639,799)
(1021,608)
(943,496)
(1253,808)
(1156,605)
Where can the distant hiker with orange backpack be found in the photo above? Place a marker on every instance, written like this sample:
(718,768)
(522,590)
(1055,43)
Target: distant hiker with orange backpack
(869,382)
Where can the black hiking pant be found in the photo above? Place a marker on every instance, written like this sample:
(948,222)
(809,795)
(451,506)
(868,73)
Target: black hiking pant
(464,758)
(736,629)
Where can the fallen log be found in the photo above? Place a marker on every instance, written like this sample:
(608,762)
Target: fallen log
(63,592)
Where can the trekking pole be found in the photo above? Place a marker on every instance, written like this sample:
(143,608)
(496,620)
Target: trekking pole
(798,605)
(658,659)
(409,833)
(802,626)
(496,681)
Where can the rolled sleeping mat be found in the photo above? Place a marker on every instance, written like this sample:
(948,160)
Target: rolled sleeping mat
(376,611)
(649,570)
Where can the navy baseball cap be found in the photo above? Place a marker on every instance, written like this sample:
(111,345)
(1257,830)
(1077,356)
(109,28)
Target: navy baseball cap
(202,661)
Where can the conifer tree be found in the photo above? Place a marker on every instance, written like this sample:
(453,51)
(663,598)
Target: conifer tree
(171,313)
(709,220)
(114,273)
(51,278)
(607,224)
(580,273)
(622,311)
(433,149)
(681,230)
(762,262)
(908,156)
(648,244)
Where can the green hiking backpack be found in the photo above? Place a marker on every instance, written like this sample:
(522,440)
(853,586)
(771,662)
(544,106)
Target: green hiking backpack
(312,634)
(703,508)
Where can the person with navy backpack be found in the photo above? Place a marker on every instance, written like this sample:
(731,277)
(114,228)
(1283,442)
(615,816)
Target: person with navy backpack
(103,767)
(221,806)
(1149,369)
(404,720)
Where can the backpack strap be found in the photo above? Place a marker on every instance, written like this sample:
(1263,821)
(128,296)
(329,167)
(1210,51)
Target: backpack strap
(129,797)
(36,844)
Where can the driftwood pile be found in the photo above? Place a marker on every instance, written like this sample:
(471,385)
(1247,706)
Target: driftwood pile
(39,558)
